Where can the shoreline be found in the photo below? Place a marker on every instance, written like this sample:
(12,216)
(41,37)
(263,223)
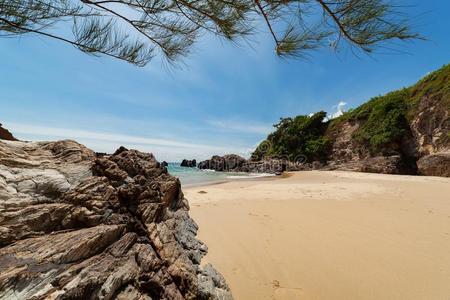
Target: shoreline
(227,180)
(328,235)
(288,174)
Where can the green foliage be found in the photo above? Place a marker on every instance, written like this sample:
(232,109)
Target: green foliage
(302,136)
(434,85)
(138,30)
(383,121)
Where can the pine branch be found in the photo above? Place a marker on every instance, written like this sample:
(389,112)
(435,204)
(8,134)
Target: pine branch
(173,26)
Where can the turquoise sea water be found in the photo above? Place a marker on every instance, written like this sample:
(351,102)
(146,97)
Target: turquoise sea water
(194,176)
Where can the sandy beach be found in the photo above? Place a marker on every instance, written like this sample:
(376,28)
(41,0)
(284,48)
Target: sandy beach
(328,235)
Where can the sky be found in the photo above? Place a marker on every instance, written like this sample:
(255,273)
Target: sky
(224,98)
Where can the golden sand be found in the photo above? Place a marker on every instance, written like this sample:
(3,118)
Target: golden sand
(329,235)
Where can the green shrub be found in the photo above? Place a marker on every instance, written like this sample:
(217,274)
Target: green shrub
(383,122)
(292,138)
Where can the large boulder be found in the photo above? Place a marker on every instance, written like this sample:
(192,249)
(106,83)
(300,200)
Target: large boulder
(229,162)
(77,225)
(434,165)
(189,163)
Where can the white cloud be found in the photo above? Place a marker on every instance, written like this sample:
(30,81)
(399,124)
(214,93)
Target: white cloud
(164,149)
(340,110)
(240,126)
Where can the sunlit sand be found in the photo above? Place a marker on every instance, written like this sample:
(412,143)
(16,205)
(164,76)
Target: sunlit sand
(329,235)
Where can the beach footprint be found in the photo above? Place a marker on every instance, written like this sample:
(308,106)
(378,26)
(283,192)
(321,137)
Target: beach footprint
(281,292)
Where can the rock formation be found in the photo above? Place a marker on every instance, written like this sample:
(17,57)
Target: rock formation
(434,165)
(403,132)
(424,148)
(189,163)
(6,135)
(229,162)
(76,225)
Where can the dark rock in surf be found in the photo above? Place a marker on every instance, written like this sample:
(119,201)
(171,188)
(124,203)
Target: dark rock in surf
(189,163)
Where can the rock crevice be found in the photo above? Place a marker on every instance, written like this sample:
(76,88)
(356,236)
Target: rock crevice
(77,225)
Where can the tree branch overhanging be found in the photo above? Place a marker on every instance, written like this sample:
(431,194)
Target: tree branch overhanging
(131,30)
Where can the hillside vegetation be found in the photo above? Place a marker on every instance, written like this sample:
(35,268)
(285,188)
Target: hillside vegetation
(384,124)
(296,137)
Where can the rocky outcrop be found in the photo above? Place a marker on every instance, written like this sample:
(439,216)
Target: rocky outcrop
(424,149)
(6,135)
(431,131)
(346,154)
(236,163)
(434,165)
(76,225)
(229,162)
(431,126)
(189,163)
(343,146)
(403,132)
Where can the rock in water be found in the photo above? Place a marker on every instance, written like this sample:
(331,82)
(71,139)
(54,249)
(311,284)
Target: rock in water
(229,162)
(189,163)
(76,225)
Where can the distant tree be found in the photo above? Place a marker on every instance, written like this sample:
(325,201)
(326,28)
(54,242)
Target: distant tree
(302,136)
(138,30)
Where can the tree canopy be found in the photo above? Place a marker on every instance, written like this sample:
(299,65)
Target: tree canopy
(138,30)
(302,137)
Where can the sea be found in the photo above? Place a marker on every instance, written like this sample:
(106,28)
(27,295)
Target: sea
(195,176)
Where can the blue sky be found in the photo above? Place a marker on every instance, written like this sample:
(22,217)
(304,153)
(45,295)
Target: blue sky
(224,98)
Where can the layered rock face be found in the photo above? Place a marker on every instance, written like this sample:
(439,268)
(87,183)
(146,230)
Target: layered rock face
(6,135)
(424,150)
(346,154)
(76,225)
(403,132)
(431,130)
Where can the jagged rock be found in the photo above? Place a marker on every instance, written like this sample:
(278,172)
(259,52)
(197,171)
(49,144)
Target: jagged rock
(270,166)
(229,162)
(6,135)
(236,163)
(381,164)
(164,164)
(431,126)
(343,148)
(189,163)
(434,165)
(77,225)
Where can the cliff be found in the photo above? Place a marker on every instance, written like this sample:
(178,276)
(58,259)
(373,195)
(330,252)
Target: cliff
(404,132)
(79,225)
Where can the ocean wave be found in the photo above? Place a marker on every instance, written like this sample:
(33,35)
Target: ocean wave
(250,175)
